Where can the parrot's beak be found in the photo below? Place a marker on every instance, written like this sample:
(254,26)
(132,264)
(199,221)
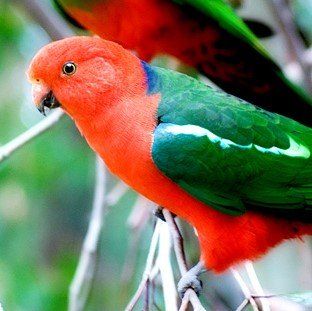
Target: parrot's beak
(43,97)
(48,101)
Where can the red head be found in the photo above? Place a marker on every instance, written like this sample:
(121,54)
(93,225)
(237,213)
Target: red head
(83,74)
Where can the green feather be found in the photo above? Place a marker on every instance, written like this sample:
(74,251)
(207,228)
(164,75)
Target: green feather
(223,13)
(228,19)
(228,153)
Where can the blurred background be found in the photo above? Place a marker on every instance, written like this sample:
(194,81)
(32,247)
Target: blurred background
(46,191)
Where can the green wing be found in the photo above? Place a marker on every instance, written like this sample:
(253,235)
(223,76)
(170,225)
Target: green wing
(228,153)
(228,19)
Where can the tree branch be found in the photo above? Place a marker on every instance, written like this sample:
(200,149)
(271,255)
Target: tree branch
(148,268)
(256,285)
(190,295)
(18,142)
(136,222)
(57,29)
(163,232)
(177,241)
(165,267)
(54,25)
(295,44)
(246,291)
(82,282)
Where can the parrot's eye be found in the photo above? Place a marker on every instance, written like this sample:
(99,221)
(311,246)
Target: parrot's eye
(69,68)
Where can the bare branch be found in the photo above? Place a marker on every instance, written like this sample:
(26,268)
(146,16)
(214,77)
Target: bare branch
(246,291)
(256,285)
(148,268)
(116,193)
(82,282)
(56,28)
(243,305)
(46,17)
(190,295)
(185,302)
(141,211)
(84,275)
(278,303)
(177,241)
(136,222)
(166,272)
(16,143)
(295,43)
(308,56)
(305,258)
(147,296)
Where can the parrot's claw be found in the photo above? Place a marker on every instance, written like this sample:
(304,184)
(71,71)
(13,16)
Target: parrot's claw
(158,213)
(190,280)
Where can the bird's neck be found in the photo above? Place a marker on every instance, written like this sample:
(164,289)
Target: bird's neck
(122,133)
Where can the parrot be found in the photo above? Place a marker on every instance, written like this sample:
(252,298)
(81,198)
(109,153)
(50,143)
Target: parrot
(240,175)
(205,34)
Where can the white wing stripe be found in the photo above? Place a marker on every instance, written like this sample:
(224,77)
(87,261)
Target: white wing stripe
(295,149)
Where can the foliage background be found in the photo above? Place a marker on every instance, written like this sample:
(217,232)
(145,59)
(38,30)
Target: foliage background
(46,193)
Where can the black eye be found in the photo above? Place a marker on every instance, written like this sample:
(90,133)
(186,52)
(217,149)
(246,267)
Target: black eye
(69,68)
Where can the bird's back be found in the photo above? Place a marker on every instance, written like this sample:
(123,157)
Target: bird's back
(219,45)
(215,145)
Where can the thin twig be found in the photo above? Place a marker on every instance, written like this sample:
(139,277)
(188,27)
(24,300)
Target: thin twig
(190,295)
(136,221)
(57,29)
(147,296)
(116,193)
(54,25)
(245,289)
(141,211)
(307,57)
(280,303)
(81,285)
(195,302)
(16,143)
(166,272)
(185,302)
(177,241)
(148,268)
(83,279)
(256,285)
(243,305)
(305,258)
(294,42)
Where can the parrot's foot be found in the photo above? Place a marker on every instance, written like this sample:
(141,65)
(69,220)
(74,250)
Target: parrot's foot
(158,213)
(190,280)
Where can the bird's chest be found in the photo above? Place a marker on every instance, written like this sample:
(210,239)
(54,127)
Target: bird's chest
(128,155)
(124,137)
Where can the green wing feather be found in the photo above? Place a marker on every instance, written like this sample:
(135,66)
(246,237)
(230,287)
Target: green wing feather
(228,153)
(228,19)
(221,12)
